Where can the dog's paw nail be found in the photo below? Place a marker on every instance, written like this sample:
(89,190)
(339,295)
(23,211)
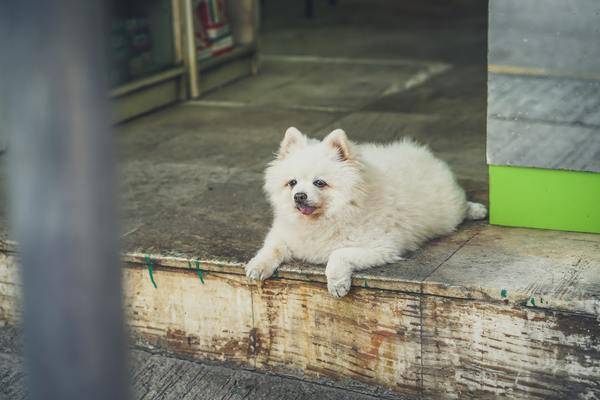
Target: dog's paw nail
(258,271)
(254,276)
(250,275)
(339,288)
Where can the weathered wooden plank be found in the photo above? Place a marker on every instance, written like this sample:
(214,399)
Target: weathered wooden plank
(372,336)
(448,347)
(482,350)
(182,315)
(10,290)
(284,325)
(158,376)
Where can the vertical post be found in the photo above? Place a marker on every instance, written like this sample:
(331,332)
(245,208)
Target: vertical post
(62,200)
(190,55)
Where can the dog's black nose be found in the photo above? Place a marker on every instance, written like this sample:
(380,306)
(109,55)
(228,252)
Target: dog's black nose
(300,197)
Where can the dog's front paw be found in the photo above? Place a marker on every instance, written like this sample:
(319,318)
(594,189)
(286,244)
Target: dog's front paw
(340,287)
(338,280)
(259,269)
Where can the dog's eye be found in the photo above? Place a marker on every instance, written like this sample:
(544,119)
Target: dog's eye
(292,183)
(320,183)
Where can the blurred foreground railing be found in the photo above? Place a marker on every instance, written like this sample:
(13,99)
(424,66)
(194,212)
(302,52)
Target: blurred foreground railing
(61,167)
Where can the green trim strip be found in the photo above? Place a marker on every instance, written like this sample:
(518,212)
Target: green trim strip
(545,198)
(150,265)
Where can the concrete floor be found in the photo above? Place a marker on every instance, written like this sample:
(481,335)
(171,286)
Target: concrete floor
(192,174)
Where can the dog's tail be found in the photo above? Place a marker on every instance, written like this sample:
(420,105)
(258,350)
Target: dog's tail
(475,211)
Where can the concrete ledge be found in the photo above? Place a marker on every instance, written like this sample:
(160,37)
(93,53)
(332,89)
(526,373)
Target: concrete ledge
(532,268)
(557,271)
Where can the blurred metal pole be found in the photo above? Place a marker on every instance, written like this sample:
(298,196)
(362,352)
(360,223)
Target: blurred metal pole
(61,182)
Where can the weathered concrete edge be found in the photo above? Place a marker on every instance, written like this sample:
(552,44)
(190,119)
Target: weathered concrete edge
(297,271)
(589,306)
(314,274)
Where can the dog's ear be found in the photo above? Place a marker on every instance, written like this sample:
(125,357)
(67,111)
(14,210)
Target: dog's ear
(293,138)
(340,143)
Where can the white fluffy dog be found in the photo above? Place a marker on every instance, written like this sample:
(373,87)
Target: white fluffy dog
(355,206)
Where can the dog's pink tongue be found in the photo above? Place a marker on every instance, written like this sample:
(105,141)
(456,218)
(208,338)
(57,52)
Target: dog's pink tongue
(306,210)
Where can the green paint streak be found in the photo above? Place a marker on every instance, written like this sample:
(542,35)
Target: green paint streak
(503,293)
(150,264)
(199,271)
(532,301)
(545,198)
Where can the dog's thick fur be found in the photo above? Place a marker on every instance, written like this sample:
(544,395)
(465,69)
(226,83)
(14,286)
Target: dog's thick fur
(379,201)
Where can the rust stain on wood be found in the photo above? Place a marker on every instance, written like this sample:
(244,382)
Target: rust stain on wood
(211,321)
(370,336)
(480,350)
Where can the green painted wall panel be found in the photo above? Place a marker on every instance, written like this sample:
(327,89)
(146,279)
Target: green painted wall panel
(545,198)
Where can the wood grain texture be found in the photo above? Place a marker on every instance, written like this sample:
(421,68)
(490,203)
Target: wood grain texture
(283,325)
(416,345)
(158,376)
(10,290)
(211,321)
(370,336)
(480,350)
